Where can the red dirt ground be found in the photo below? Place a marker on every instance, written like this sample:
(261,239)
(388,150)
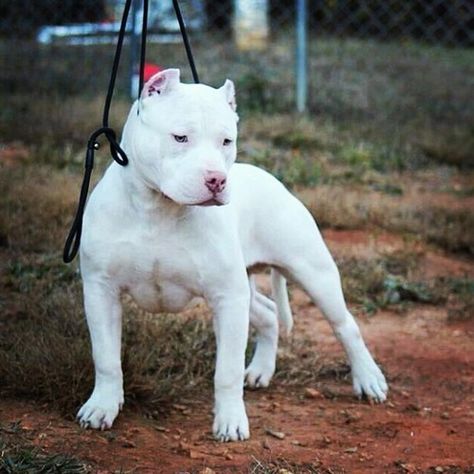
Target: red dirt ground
(427,424)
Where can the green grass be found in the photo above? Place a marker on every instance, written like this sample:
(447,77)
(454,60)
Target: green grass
(32,461)
(393,281)
(385,282)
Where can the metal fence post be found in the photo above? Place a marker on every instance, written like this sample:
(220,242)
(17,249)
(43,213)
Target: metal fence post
(301,56)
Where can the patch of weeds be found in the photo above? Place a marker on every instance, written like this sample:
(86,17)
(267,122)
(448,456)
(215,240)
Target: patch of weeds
(459,294)
(451,229)
(297,140)
(388,282)
(36,208)
(362,281)
(30,460)
(263,159)
(282,466)
(45,353)
(398,289)
(52,124)
(292,168)
(463,287)
(300,172)
(401,263)
(383,282)
(369,155)
(450,146)
(254,91)
(14,428)
(387,188)
(57,156)
(298,364)
(165,356)
(359,155)
(43,273)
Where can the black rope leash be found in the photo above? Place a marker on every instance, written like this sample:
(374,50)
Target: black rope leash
(73,240)
(187,46)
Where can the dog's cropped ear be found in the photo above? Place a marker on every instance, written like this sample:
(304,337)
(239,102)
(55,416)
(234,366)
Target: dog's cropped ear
(229,91)
(160,83)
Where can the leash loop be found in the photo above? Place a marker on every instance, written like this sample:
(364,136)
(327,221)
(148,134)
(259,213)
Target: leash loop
(73,240)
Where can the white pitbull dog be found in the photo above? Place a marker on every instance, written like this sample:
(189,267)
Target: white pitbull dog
(183,221)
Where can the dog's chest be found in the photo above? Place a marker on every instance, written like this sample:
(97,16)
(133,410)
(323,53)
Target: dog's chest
(159,274)
(157,296)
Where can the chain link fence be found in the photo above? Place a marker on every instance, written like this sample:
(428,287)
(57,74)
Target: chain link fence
(390,66)
(436,21)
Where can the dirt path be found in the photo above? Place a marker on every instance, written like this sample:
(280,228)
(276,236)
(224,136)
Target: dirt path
(427,425)
(428,421)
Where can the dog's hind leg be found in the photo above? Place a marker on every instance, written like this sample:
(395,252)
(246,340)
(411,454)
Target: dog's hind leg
(307,260)
(263,317)
(322,282)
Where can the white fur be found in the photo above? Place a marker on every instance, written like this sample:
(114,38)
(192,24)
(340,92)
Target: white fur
(145,233)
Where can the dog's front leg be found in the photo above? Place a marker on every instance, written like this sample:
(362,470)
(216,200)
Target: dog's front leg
(231,322)
(104,318)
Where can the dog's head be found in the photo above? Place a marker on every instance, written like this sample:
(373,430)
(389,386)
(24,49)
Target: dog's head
(184,139)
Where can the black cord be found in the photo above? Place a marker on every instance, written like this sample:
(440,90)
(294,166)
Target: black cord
(115,65)
(73,240)
(187,46)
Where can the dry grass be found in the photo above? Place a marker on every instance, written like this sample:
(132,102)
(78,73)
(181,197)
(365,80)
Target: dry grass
(350,208)
(459,295)
(386,281)
(45,353)
(44,344)
(19,456)
(393,280)
(394,105)
(281,466)
(55,124)
(30,460)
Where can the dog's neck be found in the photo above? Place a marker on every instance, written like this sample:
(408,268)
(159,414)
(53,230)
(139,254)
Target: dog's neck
(146,199)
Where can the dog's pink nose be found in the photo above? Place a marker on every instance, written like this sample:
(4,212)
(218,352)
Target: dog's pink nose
(215,181)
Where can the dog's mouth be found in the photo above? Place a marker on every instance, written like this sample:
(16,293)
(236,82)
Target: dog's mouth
(210,202)
(206,203)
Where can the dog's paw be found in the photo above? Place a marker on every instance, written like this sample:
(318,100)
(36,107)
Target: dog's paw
(231,422)
(368,379)
(258,374)
(100,411)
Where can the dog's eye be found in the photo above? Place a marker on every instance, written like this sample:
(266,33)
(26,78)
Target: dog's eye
(181,138)
(227,142)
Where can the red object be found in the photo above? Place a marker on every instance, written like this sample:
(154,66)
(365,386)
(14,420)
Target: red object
(150,70)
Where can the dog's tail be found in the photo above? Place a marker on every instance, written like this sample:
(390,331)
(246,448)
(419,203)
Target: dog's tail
(280,296)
